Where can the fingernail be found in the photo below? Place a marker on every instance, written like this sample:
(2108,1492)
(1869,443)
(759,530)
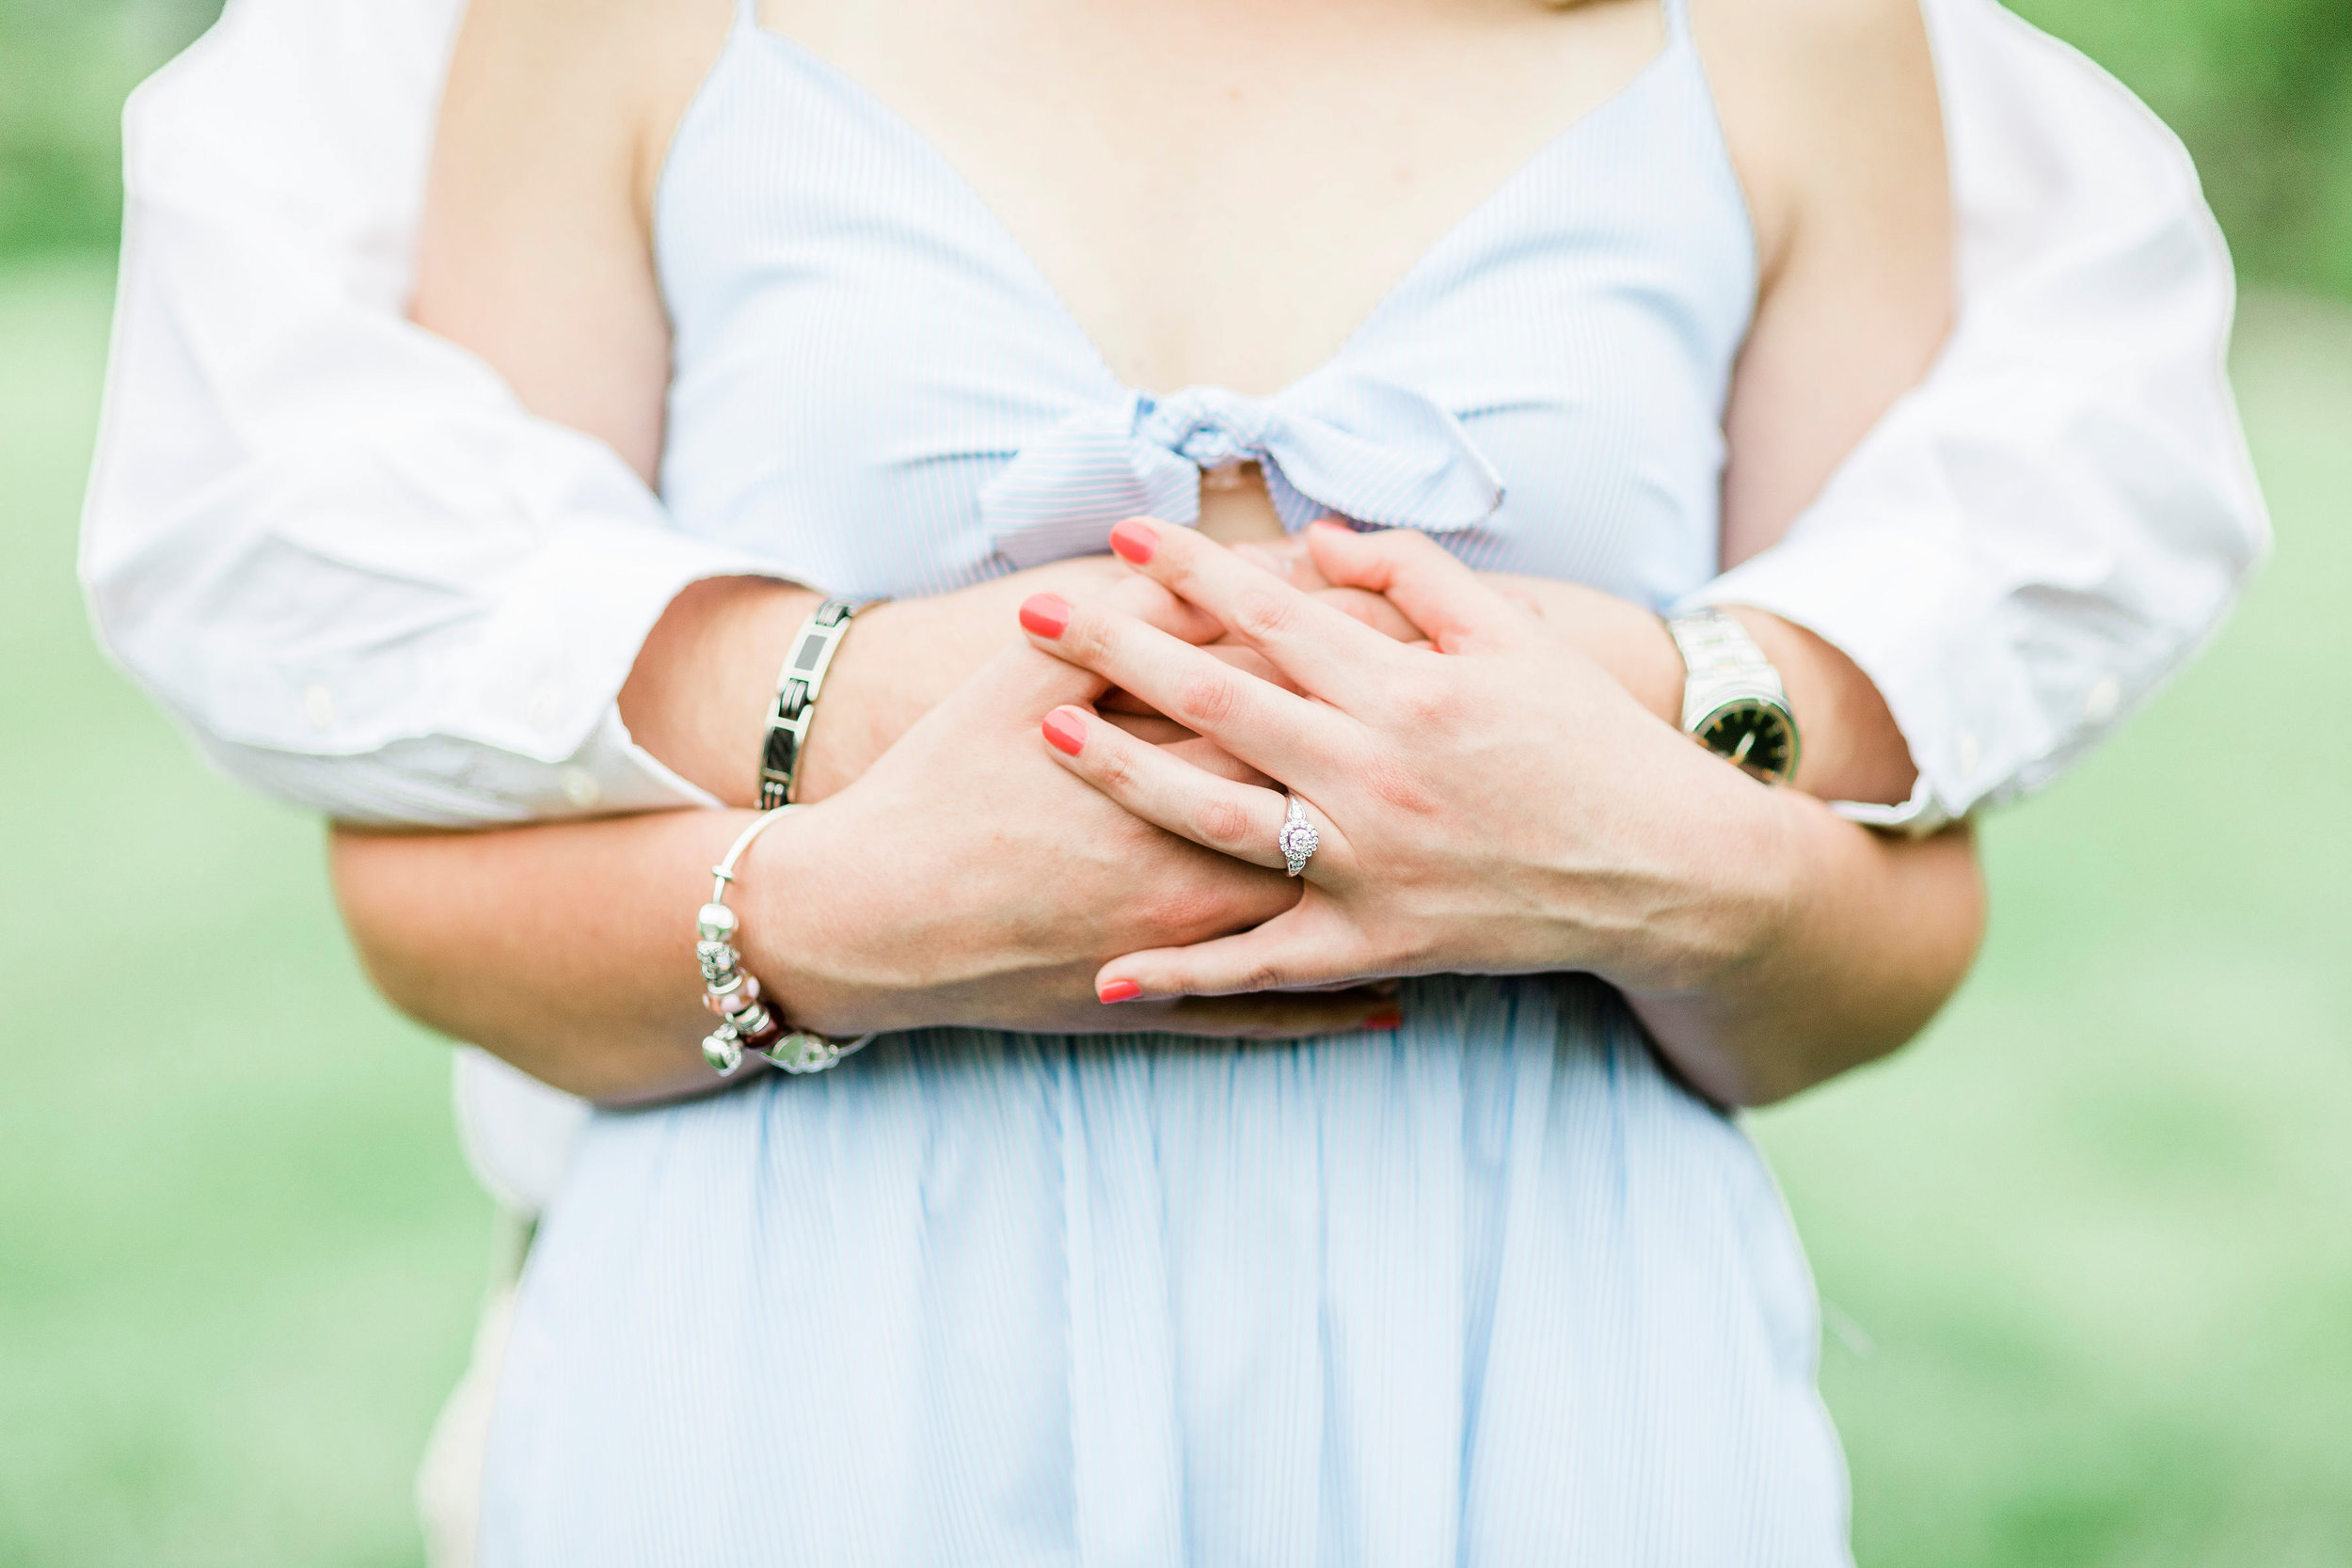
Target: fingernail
(1045,614)
(1068,736)
(1119,990)
(1387,1018)
(1134,540)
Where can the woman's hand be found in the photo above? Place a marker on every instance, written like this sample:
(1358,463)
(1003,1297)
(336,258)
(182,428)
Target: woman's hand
(1436,781)
(1498,806)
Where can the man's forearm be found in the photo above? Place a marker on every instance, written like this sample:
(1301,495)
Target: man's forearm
(1796,1009)
(1852,748)
(698,696)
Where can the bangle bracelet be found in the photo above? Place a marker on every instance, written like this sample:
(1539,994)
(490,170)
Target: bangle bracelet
(745,1022)
(797,686)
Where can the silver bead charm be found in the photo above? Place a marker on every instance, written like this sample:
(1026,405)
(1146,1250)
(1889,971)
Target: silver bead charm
(799,1053)
(724,1050)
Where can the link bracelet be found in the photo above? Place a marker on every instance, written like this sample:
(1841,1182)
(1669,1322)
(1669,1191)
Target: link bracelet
(797,690)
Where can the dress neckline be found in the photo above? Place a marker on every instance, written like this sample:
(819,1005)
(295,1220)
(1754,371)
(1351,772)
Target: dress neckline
(899,128)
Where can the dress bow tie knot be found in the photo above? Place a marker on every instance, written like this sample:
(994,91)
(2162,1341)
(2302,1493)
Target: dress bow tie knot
(1369,450)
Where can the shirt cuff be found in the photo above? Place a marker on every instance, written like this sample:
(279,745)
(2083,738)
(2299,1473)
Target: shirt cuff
(1914,621)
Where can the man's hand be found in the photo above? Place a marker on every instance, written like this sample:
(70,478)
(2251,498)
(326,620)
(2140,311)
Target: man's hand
(903,658)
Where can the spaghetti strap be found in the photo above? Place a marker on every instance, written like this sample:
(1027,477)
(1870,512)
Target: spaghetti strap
(1677,20)
(747,15)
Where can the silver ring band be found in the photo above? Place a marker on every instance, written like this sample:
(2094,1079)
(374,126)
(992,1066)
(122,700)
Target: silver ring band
(1298,840)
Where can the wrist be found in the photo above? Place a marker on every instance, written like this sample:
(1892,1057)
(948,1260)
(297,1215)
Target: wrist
(864,707)
(1632,643)
(1725,906)
(1652,668)
(1852,748)
(697,696)
(794,932)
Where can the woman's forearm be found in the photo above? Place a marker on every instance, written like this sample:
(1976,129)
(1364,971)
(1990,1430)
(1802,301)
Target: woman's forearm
(1851,943)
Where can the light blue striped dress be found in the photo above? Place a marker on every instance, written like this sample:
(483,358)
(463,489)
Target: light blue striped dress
(1491,1289)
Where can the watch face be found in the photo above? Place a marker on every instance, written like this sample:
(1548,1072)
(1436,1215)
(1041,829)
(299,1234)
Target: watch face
(1756,735)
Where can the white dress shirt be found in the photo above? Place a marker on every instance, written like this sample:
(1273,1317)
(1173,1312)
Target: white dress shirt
(367,580)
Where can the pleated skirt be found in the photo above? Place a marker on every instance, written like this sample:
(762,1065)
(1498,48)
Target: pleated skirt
(1490,1289)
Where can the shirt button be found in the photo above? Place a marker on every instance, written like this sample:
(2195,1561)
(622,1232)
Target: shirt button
(318,705)
(578,787)
(2104,696)
(1969,753)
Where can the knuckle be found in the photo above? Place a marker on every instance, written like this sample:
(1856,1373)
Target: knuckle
(1420,699)
(1223,821)
(1085,636)
(1113,767)
(1207,698)
(1263,976)
(1262,616)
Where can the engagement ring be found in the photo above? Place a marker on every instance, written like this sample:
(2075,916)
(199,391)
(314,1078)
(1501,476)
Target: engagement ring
(1299,839)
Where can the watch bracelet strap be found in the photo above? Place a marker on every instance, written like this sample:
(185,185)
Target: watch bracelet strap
(798,686)
(1715,646)
(1717,649)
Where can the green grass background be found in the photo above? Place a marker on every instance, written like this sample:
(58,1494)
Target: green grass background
(2088,1249)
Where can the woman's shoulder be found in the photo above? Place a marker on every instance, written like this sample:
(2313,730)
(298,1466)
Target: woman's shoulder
(554,120)
(599,74)
(1826,103)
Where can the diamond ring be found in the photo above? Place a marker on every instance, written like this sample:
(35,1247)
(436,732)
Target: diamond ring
(1299,839)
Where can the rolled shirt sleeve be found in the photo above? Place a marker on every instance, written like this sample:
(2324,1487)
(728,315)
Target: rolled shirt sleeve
(2033,539)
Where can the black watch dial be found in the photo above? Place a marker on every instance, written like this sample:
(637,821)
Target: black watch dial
(1755,736)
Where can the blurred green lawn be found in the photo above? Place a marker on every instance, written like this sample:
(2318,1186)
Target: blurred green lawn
(2087,1248)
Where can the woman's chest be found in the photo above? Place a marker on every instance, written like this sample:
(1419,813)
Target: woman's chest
(878,381)
(1219,191)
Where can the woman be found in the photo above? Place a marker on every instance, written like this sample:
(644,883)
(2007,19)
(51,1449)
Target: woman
(1486,1282)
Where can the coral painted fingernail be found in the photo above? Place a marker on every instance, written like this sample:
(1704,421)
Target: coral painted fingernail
(1068,736)
(1135,541)
(1045,614)
(1119,990)
(1387,1018)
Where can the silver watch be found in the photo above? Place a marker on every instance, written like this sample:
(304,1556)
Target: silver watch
(1733,702)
